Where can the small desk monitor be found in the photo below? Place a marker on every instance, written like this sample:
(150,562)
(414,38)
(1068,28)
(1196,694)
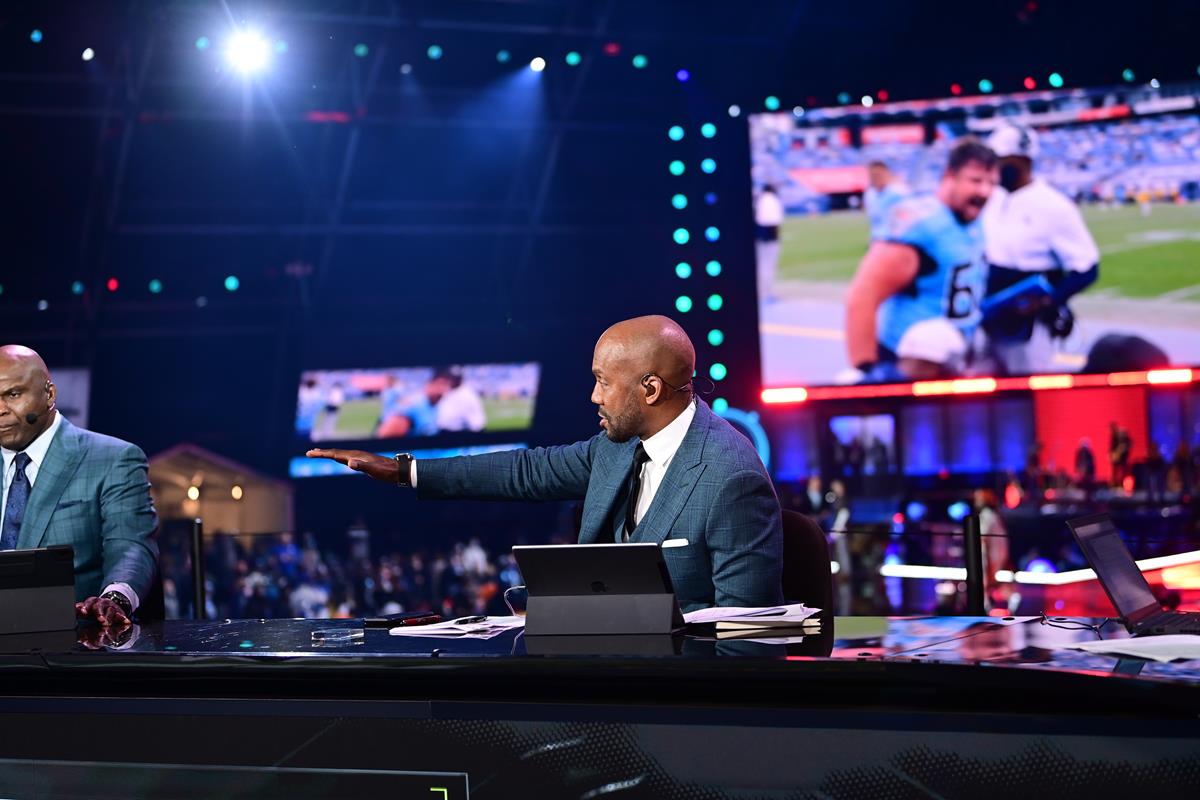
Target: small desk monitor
(37,590)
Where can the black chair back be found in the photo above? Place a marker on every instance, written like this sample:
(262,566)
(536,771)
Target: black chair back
(806,576)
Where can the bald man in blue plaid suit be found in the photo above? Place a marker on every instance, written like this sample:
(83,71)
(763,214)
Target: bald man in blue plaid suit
(665,469)
(64,485)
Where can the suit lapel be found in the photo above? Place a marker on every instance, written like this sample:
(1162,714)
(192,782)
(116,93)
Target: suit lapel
(608,476)
(677,485)
(63,457)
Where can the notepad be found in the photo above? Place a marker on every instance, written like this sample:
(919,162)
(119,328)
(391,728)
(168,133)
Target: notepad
(738,618)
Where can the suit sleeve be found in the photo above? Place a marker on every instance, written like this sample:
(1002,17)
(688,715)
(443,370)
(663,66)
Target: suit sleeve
(128,524)
(540,473)
(745,540)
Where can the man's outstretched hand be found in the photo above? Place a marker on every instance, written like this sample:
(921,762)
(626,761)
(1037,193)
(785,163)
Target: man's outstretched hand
(378,467)
(102,610)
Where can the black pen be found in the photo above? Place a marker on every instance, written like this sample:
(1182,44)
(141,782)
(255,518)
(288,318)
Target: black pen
(469,620)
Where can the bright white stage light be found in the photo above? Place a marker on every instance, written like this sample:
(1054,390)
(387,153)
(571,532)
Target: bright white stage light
(89,54)
(247,51)
(538,64)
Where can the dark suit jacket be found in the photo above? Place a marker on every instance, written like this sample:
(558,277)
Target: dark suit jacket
(92,493)
(716,500)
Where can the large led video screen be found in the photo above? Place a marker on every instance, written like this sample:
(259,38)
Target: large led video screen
(1077,250)
(403,402)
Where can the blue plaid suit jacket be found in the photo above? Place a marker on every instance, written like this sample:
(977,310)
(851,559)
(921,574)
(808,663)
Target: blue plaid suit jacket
(716,495)
(93,494)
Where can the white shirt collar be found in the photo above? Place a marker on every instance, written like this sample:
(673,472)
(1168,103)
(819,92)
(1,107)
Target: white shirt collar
(662,445)
(37,448)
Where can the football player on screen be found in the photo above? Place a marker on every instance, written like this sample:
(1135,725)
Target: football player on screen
(928,266)
(1040,255)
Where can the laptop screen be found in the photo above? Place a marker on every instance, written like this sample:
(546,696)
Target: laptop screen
(1110,558)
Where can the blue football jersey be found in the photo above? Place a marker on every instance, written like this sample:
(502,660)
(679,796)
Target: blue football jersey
(951,272)
(879,205)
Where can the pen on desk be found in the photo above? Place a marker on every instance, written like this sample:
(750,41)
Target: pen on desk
(426,620)
(469,620)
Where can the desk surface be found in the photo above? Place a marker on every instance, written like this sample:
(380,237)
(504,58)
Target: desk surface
(959,662)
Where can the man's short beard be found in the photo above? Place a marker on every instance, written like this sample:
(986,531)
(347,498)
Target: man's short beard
(623,427)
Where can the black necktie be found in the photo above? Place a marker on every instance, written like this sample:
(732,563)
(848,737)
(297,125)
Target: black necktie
(640,457)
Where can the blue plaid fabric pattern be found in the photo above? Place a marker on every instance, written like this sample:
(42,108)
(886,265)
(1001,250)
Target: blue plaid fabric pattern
(716,498)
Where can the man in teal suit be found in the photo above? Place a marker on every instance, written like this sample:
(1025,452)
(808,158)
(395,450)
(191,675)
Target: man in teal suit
(665,469)
(63,485)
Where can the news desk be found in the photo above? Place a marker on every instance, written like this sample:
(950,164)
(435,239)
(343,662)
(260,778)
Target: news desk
(870,708)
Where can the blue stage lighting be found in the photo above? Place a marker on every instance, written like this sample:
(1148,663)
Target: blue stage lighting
(720,405)
(683,269)
(708,130)
(202,43)
(503,56)
(843,98)
(986,86)
(640,61)
(675,133)
(434,51)
(247,51)
(716,337)
(683,304)
(717,371)
(1056,80)
(710,198)
(771,103)
(679,201)
(42,305)
(232,283)
(77,288)
(712,233)
(735,110)
(281,46)
(713,268)
(573,59)
(708,165)
(35,35)
(155,286)
(361,50)
(676,167)
(682,236)
(1128,75)
(958,511)
(1040,566)
(715,301)
(683,76)
(916,510)
(537,64)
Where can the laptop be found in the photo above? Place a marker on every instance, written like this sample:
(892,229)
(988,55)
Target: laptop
(37,590)
(597,589)
(1123,581)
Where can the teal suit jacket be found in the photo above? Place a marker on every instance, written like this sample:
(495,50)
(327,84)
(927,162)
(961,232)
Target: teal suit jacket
(92,493)
(716,501)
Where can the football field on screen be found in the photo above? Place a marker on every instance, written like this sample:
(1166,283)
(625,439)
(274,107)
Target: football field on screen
(1142,257)
(1149,286)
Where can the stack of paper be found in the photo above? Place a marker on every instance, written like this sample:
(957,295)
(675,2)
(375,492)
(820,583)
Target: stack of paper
(483,629)
(732,622)
(1157,648)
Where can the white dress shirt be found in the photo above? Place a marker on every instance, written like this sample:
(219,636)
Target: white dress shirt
(661,447)
(36,451)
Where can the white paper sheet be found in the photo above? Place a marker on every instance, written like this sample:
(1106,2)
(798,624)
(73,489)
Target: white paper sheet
(485,629)
(1155,648)
(773,615)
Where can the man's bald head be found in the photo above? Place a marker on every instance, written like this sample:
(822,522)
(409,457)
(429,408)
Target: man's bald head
(26,392)
(654,344)
(643,368)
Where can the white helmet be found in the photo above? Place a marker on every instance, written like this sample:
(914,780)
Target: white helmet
(1013,140)
(935,339)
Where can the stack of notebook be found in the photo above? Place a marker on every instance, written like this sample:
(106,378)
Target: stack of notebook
(775,622)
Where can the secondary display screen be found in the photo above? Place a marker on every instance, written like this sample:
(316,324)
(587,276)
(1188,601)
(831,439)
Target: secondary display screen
(403,402)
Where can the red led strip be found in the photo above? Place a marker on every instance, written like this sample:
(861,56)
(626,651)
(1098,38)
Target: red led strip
(958,386)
